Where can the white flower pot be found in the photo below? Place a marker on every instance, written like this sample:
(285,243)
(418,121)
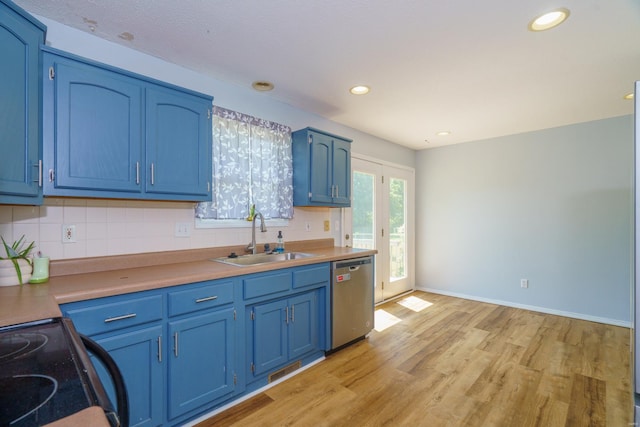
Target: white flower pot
(8,275)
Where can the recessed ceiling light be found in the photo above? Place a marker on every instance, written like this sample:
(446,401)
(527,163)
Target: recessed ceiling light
(444,133)
(262,86)
(629,96)
(360,90)
(549,20)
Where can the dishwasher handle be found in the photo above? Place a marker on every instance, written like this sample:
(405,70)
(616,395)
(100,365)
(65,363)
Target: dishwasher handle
(350,263)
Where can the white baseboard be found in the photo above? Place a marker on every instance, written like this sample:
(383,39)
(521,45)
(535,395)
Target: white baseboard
(581,316)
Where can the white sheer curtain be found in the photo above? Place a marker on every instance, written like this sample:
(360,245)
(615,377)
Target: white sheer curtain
(252,164)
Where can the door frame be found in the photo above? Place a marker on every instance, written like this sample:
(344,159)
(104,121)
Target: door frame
(382,271)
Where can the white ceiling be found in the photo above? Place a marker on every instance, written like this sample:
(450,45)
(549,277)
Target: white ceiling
(467,66)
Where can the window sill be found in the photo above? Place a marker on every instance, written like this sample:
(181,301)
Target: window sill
(237,223)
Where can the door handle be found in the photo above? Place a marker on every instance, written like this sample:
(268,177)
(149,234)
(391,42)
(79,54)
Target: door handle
(211,298)
(123,317)
(175,344)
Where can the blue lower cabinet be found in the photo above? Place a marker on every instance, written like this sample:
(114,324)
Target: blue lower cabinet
(303,325)
(200,360)
(268,336)
(130,327)
(182,350)
(137,354)
(282,332)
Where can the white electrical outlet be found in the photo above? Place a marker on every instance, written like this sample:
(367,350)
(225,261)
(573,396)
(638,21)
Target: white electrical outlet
(183,229)
(307,226)
(68,233)
(524,283)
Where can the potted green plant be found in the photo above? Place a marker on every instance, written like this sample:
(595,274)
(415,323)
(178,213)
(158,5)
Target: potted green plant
(15,265)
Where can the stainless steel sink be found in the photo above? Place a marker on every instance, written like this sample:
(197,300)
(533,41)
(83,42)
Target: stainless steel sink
(246,260)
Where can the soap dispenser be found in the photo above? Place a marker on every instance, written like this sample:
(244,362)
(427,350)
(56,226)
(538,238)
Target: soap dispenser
(280,243)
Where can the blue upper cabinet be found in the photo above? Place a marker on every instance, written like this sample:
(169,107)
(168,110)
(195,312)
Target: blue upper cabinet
(178,144)
(93,129)
(321,169)
(113,134)
(20,131)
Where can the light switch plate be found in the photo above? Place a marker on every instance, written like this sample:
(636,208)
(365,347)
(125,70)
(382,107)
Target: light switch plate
(183,229)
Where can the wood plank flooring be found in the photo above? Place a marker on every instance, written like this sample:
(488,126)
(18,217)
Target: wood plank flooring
(454,362)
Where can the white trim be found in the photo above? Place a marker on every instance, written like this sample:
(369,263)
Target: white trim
(382,162)
(581,316)
(238,223)
(253,393)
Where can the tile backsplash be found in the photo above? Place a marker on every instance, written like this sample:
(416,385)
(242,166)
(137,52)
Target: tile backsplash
(116,227)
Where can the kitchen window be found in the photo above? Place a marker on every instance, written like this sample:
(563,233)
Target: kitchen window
(252,164)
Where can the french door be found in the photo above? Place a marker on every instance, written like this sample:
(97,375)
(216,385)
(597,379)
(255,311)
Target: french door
(382,217)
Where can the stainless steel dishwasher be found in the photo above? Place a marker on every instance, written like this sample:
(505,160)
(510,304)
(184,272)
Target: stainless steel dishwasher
(351,300)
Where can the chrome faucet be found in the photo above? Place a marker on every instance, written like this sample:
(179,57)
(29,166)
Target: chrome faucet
(263,228)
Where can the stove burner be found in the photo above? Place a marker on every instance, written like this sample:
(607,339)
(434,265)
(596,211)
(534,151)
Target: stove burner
(45,374)
(23,395)
(21,345)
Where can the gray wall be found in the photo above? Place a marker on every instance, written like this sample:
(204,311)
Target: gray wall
(553,206)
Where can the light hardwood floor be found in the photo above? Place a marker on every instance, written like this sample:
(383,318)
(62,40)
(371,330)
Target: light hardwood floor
(457,362)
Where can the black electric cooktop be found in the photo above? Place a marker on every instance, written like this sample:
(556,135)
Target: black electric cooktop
(42,378)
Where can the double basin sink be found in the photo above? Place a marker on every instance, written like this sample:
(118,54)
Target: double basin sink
(264,258)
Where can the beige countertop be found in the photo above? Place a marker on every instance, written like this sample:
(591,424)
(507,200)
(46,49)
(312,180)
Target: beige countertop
(82,279)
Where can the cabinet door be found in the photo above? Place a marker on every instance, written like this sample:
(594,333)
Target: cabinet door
(303,324)
(97,139)
(200,360)
(320,168)
(341,165)
(137,354)
(19,108)
(178,143)
(269,338)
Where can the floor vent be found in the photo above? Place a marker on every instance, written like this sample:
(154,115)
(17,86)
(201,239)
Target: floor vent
(285,371)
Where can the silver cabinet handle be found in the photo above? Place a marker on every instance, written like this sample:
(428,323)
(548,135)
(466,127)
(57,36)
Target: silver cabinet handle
(153,178)
(123,317)
(160,348)
(293,313)
(211,298)
(175,344)
(137,173)
(286,315)
(39,179)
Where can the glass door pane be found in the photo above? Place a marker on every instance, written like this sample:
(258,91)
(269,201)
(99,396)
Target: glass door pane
(397,198)
(397,228)
(362,203)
